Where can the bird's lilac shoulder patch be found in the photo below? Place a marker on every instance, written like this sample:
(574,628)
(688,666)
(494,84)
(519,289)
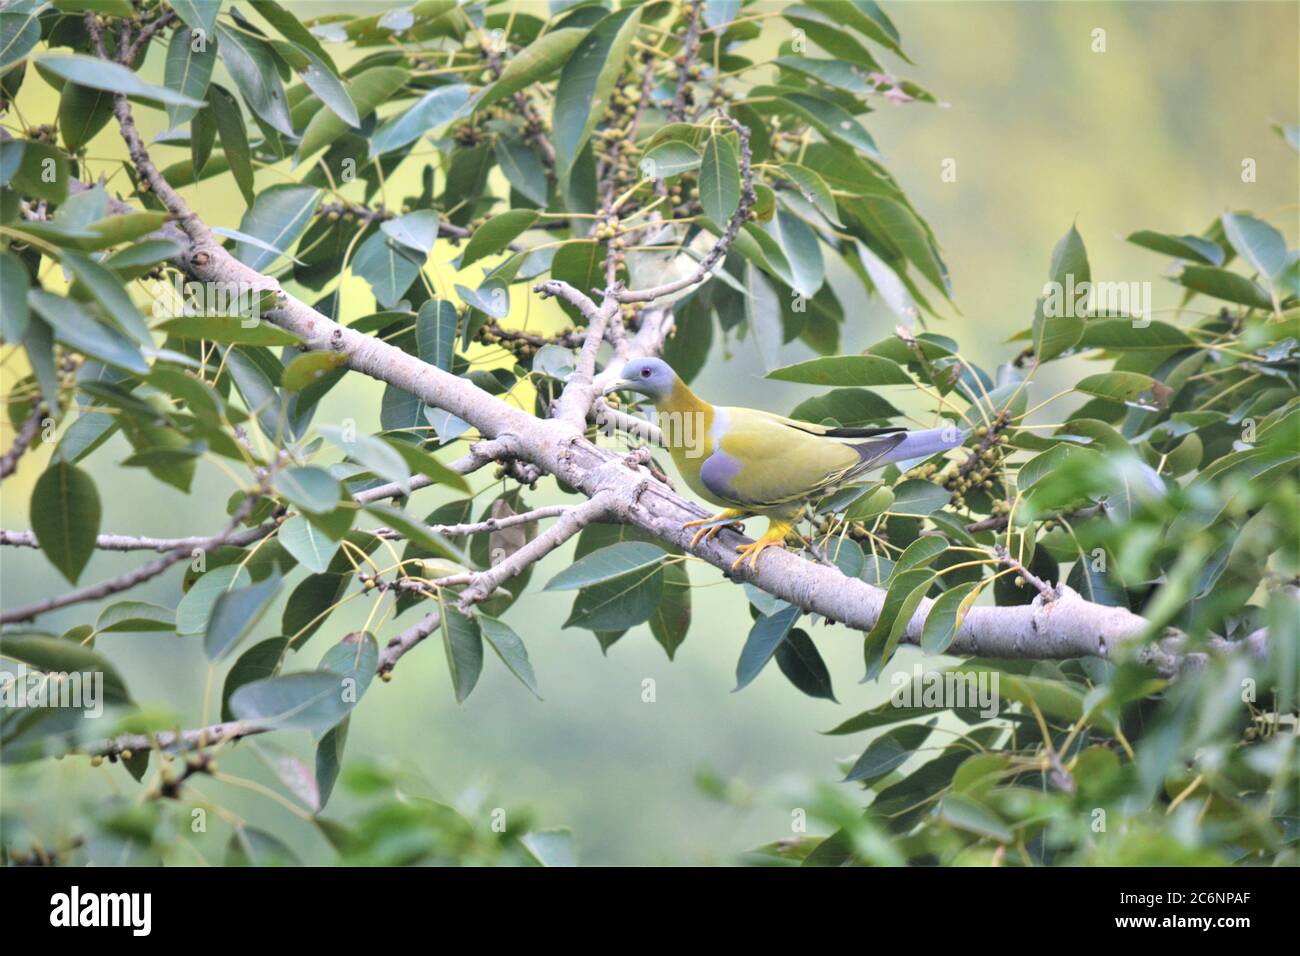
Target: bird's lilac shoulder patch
(717,473)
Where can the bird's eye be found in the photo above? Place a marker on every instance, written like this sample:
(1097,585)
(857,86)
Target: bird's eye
(645,373)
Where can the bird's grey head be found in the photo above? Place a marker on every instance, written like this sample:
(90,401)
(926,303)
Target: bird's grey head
(651,377)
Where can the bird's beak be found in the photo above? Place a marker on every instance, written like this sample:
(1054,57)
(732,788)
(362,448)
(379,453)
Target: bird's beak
(618,386)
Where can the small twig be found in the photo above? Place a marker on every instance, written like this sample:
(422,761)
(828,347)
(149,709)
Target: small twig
(574,519)
(103,589)
(23,440)
(686,59)
(738,218)
(1046,590)
(403,642)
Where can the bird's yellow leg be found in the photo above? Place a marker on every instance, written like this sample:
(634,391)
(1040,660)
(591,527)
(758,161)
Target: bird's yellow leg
(777,529)
(712,529)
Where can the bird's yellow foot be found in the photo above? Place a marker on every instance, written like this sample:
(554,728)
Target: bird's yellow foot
(774,538)
(709,527)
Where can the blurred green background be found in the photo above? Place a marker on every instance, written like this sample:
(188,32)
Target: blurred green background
(1044,131)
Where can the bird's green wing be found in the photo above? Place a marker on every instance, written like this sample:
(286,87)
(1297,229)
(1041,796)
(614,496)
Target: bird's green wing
(763,461)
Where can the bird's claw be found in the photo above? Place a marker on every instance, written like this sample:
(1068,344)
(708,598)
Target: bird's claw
(711,527)
(753,550)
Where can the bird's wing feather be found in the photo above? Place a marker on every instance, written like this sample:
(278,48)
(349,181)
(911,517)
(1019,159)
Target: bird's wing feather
(764,461)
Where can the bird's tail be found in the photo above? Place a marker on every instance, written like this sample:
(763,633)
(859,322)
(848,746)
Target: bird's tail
(921,444)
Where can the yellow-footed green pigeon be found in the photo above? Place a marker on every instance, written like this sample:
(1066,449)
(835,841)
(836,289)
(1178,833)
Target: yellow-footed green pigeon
(753,462)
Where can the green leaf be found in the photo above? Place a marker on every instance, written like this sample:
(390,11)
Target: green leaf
(672,616)
(20,31)
(719,179)
(1097,586)
(1121,386)
(815,189)
(1184,247)
(846,406)
(916,496)
(431,112)
(901,601)
(582,265)
(64,515)
(309,544)
(491,298)
(305,700)
(463,642)
(329,759)
(187,71)
(800,662)
(74,328)
(42,171)
(1126,335)
(802,250)
(668,160)
(367,90)
(83,112)
(945,617)
(507,645)
(229,119)
(356,658)
(523,168)
(57,655)
(535,62)
(1229,286)
(966,814)
(616,604)
(889,751)
(607,563)
(235,613)
(319,76)
(14,283)
(1256,242)
(100,74)
(435,333)
(921,553)
(250,846)
(373,453)
(195,608)
(416,231)
(838,370)
(252,66)
(831,121)
(307,369)
(587,80)
(277,217)
(135,617)
(311,489)
(497,233)
(228,331)
(552,847)
(260,661)
(764,638)
(107,290)
(198,14)
(389,267)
